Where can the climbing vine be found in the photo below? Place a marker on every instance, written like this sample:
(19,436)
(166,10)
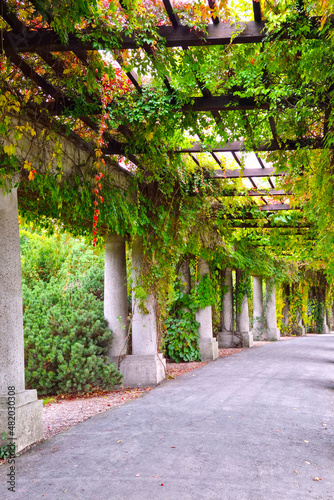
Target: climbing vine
(167,198)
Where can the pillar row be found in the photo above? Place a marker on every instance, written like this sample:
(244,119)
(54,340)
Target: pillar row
(28,410)
(207,344)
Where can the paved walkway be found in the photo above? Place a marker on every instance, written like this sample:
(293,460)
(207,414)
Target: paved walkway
(254,426)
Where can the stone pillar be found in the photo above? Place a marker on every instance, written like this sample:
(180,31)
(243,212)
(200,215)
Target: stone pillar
(27,408)
(242,316)
(326,327)
(225,336)
(208,346)
(301,324)
(258,324)
(145,366)
(286,308)
(271,319)
(184,273)
(115,294)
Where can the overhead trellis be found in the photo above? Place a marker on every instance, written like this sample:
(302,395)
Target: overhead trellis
(34,43)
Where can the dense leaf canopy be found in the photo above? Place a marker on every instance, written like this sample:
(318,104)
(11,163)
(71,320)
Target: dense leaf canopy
(147,81)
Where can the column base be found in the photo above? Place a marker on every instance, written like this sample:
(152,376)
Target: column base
(247,339)
(258,335)
(225,340)
(28,419)
(208,349)
(143,371)
(273,334)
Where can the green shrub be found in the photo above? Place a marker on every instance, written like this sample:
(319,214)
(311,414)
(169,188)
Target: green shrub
(66,340)
(93,281)
(66,337)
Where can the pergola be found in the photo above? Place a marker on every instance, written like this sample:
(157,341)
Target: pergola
(25,43)
(20,39)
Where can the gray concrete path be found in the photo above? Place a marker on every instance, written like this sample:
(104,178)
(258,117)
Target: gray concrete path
(254,426)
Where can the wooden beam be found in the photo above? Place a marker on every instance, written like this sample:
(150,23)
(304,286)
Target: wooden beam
(132,75)
(230,147)
(171,14)
(246,172)
(212,5)
(257,11)
(257,192)
(180,36)
(223,102)
(275,206)
(266,225)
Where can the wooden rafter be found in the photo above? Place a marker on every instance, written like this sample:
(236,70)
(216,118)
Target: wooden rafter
(266,225)
(257,11)
(181,36)
(223,102)
(171,14)
(212,5)
(246,172)
(275,207)
(229,147)
(258,192)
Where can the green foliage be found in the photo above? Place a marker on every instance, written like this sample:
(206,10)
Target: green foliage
(7,450)
(170,203)
(66,337)
(181,341)
(316,316)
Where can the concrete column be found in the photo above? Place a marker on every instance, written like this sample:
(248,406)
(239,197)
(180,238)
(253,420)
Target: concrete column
(208,346)
(258,324)
(115,294)
(145,366)
(225,336)
(271,320)
(28,410)
(286,308)
(301,324)
(242,316)
(184,273)
(326,327)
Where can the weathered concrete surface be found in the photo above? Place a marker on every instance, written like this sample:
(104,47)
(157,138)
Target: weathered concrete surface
(272,332)
(115,294)
(26,413)
(242,316)
(225,336)
(208,346)
(258,324)
(145,367)
(254,426)
(143,371)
